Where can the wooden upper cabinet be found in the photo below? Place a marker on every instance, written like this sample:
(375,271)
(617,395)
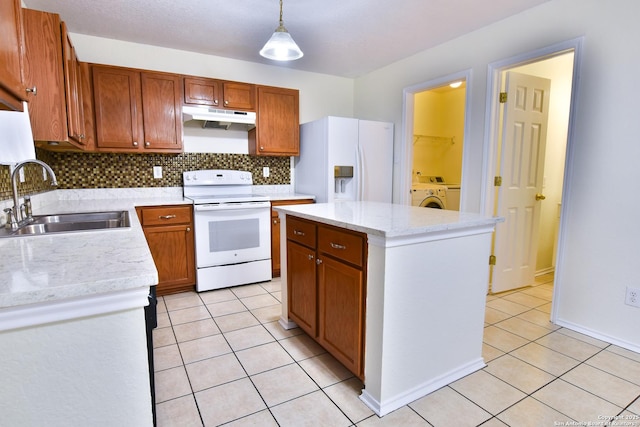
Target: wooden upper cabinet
(219,93)
(277,131)
(137,111)
(73,89)
(43,72)
(117,103)
(12,88)
(161,108)
(201,91)
(239,96)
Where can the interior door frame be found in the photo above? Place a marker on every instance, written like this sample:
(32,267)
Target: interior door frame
(408,103)
(492,125)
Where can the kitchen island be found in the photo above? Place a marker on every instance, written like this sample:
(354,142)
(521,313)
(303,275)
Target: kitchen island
(73,344)
(425,276)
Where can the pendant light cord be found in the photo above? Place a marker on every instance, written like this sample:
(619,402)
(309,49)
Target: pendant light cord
(281,23)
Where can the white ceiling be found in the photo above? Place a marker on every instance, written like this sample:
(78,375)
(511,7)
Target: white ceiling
(340,37)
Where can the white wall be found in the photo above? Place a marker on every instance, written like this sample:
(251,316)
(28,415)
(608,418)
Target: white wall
(599,247)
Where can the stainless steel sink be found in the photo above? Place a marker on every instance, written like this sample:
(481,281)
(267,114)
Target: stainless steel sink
(68,223)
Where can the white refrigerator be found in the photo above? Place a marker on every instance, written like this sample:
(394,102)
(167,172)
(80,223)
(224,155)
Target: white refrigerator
(345,159)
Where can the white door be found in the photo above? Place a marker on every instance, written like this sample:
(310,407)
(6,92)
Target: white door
(524,135)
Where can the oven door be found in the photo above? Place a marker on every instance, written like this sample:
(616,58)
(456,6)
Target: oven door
(232,233)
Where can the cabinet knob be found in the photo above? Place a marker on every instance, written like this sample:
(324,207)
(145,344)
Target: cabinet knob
(226,102)
(146,144)
(275,222)
(80,136)
(33,90)
(261,147)
(318,261)
(188,228)
(215,101)
(310,256)
(135,143)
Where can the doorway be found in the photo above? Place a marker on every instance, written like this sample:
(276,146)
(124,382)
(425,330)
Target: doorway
(558,65)
(435,124)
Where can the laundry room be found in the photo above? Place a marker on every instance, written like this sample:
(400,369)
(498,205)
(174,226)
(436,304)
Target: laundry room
(438,140)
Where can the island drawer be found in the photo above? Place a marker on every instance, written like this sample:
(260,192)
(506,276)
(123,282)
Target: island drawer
(301,231)
(341,244)
(165,215)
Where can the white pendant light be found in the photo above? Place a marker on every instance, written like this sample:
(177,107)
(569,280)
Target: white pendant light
(281,46)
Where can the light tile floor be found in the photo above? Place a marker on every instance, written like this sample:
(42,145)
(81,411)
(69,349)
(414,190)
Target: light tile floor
(222,358)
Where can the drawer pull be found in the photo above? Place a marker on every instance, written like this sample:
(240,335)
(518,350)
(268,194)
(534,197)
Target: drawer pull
(337,246)
(298,232)
(166,216)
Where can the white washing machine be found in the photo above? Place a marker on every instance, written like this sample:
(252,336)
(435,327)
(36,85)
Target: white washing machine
(428,195)
(452,190)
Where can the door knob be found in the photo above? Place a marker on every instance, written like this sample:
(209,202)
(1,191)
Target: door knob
(540,196)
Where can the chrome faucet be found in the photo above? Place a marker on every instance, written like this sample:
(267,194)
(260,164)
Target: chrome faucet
(21,213)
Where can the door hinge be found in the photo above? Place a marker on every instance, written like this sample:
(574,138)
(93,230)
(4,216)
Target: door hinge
(497,181)
(492,260)
(503,97)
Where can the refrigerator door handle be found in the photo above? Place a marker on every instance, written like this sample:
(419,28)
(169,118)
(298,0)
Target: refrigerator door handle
(359,173)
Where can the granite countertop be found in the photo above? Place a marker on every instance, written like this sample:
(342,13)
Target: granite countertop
(388,220)
(56,267)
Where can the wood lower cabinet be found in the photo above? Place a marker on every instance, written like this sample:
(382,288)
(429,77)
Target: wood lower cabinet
(137,111)
(12,88)
(277,131)
(275,232)
(326,287)
(169,233)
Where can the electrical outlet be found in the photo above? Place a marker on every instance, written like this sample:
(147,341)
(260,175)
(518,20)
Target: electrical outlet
(157,172)
(633,297)
(21,174)
(265,171)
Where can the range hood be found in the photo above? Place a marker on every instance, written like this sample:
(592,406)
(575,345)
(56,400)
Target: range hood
(213,118)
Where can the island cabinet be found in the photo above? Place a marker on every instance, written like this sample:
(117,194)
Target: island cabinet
(12,88)
(326,283)
(277,131)
(137,111)
(219,93)
(52,70)
(169,233)
(275,232)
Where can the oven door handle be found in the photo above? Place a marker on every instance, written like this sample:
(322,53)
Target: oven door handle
(231,206)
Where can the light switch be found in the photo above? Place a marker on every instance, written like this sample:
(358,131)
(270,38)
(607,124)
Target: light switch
(265,171)
(157,172)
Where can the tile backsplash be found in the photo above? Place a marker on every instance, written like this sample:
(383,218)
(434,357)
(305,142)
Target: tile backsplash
(114,170)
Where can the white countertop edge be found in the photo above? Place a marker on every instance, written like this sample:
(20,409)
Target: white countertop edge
(75,308)
(428,236)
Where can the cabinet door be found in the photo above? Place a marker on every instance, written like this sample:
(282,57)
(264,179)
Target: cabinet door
(12,89)
(302,291)
(199,91)
(73,89)
(239,96)
(161,108)
(172,250)
(118,108)
(341,312)
(43,70)
(277,131)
